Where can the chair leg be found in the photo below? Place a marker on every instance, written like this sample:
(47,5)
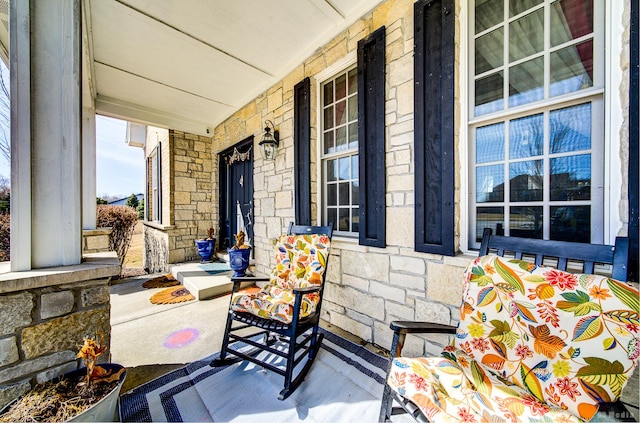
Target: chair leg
(385,406)
(291,384)
(222,358)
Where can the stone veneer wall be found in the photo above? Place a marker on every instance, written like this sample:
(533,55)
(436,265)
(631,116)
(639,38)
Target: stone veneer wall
(187,196)
(45,315)
(96,240)
(366,287)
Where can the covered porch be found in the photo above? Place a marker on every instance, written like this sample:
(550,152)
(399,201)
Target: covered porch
(380,112)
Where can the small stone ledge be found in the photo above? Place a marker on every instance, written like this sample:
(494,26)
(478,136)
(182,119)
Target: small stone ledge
(158,226)
(94,266)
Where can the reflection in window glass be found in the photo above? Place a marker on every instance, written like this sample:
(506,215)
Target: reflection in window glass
(570,19)
(489,94)
(571,68)
(571,223)
(490,143)
(329,146)
(525,37)
(489,217)
(525,181)
(526,222)
(328,93)
(489,51)
(353,135)
(489,184)
(571,178)
(488,13)
(526,82)
(570,128)
(353,81)
(526,137)
(341,138)
(518,6)
(341,87)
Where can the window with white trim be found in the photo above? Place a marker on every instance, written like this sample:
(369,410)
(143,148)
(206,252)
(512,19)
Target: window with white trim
(536,127)
(339,151)
(154,207)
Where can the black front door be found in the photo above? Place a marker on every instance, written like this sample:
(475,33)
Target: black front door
(236,191)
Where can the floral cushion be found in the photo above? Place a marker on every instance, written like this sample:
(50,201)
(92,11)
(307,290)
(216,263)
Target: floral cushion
(548,340)
(301,261)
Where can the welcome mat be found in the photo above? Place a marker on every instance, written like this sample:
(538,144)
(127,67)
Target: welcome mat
(179,294)
(163,281)
(344,385)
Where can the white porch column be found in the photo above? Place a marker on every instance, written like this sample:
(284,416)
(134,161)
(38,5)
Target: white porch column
(88,168)
(45,59)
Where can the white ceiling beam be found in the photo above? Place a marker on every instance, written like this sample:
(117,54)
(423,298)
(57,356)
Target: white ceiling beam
(120,109)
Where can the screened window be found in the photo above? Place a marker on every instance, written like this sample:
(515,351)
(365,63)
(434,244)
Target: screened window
(536,127)
(339,129)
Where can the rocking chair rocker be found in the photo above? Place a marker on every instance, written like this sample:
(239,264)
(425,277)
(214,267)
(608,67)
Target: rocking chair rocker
(286,310)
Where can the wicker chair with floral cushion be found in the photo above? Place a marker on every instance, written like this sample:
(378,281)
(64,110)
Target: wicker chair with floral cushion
(286,309)
(534,343)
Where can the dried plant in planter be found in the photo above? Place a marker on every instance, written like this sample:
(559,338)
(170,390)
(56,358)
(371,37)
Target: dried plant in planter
(64,399)
(240,245)
(210,233)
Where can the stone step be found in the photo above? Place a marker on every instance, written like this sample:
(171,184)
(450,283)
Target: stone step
(204,280)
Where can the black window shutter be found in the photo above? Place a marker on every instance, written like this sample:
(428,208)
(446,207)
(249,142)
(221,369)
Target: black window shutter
(634,144)
(301,149)
(371,139)
(433,125)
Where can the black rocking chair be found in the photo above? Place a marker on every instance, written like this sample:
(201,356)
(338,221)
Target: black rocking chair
(286,310)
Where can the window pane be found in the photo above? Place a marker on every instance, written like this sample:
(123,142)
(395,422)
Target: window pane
(353,108)
(526,82)
(332,170)
(341,138)
(518,6)
(328,117)
(571,178)
(488,14)
(353,135)
(570,129)
(489,51)
(341,115)
(526,36)
(329,147)
(332,216)
(354,167)
(525,222)
(489,183)
(343,193)
(341,87)
(344,221)
(526,137)
(355,193)
(570,19)
(353,81)
(344,169)
(355,219)
(571,223)
(525,181)
(328,93)
(489,94)
(490,143)
(572,68)
(332,195)
(489,217)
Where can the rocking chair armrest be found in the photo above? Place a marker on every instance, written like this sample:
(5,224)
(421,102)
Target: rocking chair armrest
(402,328)
(306,290)
(405,327)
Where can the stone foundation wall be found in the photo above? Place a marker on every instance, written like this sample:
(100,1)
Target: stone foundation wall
(42,326)
(95,240)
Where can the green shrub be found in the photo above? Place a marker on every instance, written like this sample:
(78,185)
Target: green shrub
(122,220)
(140,209)
(5,237)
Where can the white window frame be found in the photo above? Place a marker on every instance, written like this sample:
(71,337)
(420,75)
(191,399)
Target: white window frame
(348,61)
(155,186)
(608,87)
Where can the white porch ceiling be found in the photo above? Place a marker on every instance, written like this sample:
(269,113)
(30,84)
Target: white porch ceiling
(189,64)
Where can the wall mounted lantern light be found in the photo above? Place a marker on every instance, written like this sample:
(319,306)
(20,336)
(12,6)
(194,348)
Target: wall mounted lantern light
(270,141)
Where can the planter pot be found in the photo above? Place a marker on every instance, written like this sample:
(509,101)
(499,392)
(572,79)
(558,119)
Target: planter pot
(239,260)
(102,411)
(206,247)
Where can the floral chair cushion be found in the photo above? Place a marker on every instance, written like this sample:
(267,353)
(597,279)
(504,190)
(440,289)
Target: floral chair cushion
(300,261)
(531,341)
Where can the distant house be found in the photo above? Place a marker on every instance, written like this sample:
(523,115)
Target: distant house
(123,201)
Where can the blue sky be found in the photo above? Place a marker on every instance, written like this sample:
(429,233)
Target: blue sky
(119,168)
